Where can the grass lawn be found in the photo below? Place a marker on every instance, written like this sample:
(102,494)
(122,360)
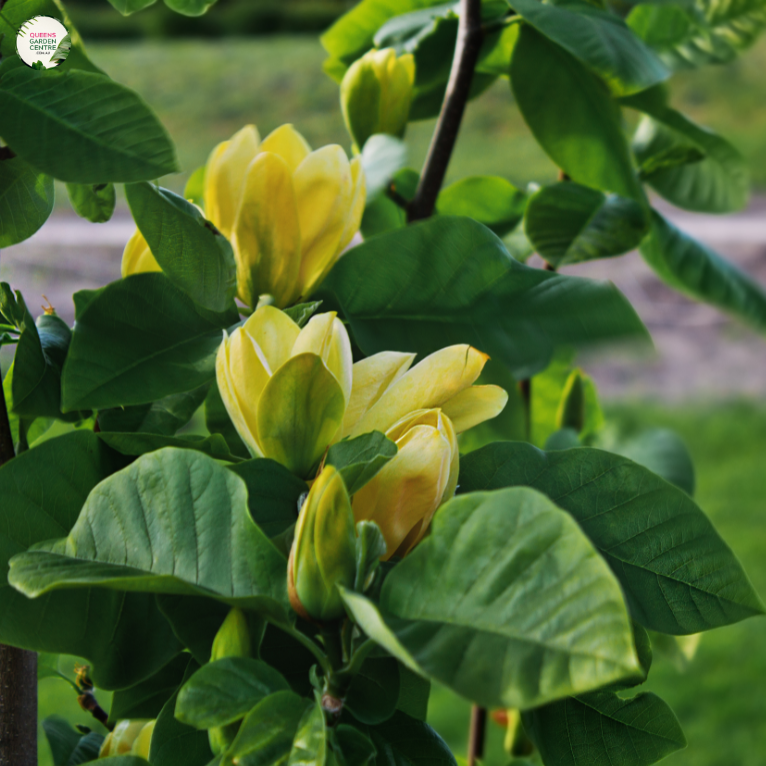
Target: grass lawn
(720,700)
(203,91)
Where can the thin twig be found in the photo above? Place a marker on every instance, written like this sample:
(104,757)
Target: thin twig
(477,734)
(469,38)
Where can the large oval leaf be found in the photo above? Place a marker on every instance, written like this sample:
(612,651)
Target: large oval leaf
(598,38)
(136,341)
(26,200)
(577,123)
(173,522)
(678,575)
(103,131)
(506,602)
(451,280)
(191,251)
(123,635)
(698,271)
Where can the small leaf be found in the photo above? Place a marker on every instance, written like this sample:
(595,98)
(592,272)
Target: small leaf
(26,200)
(370,546)
(310,742)
(382,157)
(403,740)
(194,191)
(135,444)
(360,459)
(302,312)
(94,202)
(374,693)
(70,747)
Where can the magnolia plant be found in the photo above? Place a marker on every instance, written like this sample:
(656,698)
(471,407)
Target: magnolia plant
(271,487)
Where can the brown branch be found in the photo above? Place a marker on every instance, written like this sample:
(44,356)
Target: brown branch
(476,734)
(469,39)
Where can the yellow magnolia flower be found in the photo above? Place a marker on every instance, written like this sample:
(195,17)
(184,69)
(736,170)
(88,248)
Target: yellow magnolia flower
(289,212)
(286,388)
(128,736)
(376,94)
(422,410)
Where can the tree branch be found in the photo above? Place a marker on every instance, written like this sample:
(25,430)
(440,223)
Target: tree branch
(18,668)
(476,734)
(469,39)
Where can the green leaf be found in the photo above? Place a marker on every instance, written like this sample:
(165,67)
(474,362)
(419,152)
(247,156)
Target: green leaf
(273,494)
(359,459)
(370,546)
(302,312)
(602,728)
(138,340)
(677,574)
(147,698)
(414,691)
(111,136)
(217,421)
(164,416)
(506,602)
(120,539)
(123,635)
(698,271)
(490,200)
(193,254)
(62,49)
(190,7)
(135,444)
(355,748)
(405,741)
(26,200)
(374,693)
(381,156)
(223,691)
(265,737)
(599,39)
(577,123)
(174,743)
(70,747)
(195,621)
(126,7)
(94,202)
(569,223)
(451,280)
(719,183)
(310,742)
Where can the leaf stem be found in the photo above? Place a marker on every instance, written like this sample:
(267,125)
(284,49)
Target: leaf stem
(469,39)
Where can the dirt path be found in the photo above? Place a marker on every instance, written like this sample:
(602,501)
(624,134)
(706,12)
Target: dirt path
(700,353)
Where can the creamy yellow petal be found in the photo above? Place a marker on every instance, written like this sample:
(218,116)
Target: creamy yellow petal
(324,190)
(325,335)
(266,235)
(371,377)
(289,144)
(430,383)
(274,333)
(299,413)
(227,389)
(356,209)
(475,405)
(225,174)
(408,489)
(137,258)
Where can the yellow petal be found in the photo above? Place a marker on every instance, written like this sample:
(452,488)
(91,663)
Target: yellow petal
(356,208)
(408,489)
(435,380)
(299,413)
(225,174)
(266,236)
(275,335)
(137,258)
(324,190)
(240,377)
(289,144)
(326,336)
(371,377)
(475,405)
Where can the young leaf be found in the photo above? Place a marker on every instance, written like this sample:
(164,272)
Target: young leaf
(135,444)
(374,693)
(569,223)
(193,254)
(120,538)
(94,202)
(677,574)
(506,602)
(359,459)
(577,123)
(224,691)
(70,747)
(126,7)
(310,742)
(190,7)
(111,136)
(698,271)
(451,280)
(123,635)
(26,200)
(138,340)
(405,740)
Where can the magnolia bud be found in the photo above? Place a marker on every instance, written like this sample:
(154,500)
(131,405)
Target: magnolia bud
(323,554)
(376,94)
(121,739)
(143,743)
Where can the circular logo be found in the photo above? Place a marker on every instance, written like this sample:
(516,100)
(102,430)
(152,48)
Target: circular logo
(43,42)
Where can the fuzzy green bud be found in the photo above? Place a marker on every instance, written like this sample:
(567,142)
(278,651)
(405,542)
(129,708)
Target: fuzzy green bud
(323,554)
(376,94)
